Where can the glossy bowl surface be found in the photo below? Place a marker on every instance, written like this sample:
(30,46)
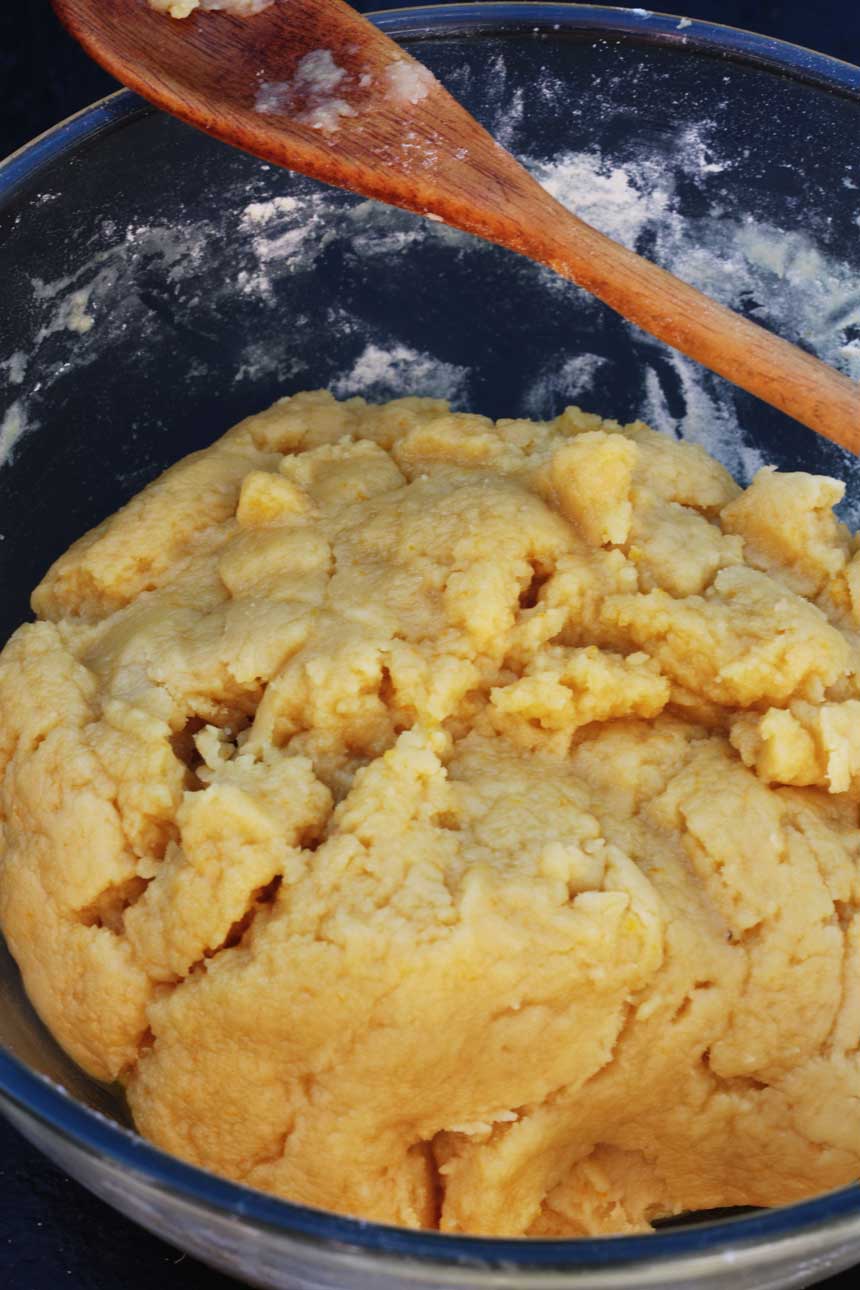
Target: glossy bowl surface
(157,287)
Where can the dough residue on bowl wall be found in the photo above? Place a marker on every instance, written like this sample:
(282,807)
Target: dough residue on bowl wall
(282,227)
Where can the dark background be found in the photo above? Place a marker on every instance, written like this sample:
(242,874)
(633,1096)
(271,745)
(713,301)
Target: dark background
(52,1232)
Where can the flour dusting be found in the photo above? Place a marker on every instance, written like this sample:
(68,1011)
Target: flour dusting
(385,372)
(694,154)
(72,310)
(605,195)
(15,367)
(779,278)
(75,316)
(270,359)
(250,271)
(570,382)
(263,213)
(708,417)
(13,426)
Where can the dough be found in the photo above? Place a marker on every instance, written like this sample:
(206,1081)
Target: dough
(182,8)
(453,823)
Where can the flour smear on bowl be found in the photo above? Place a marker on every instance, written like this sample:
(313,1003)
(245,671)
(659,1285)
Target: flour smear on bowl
(278,227)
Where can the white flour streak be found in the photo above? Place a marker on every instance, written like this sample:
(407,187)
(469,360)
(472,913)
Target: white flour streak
(379,243)
(604,195)
(708,418)
(571,382)
(269,358)
(15,367)
(850,354)
(694,155)
(282,247)
(780,278)
(397,370)
(512,119)
(12,427)
(284,235)
(77,319)
(229,275)
(263,213)
(73,313)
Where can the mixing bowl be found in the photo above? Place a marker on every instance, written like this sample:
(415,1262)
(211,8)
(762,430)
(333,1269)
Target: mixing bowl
(157,287)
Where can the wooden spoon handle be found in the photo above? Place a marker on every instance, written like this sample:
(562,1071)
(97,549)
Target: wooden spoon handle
(507,206)
(743,352)
(424,152)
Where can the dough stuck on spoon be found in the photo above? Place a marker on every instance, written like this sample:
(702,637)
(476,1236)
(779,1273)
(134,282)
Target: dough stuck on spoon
(182,8)
(403,139)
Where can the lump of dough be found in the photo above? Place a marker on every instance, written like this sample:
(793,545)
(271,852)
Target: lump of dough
(449,823)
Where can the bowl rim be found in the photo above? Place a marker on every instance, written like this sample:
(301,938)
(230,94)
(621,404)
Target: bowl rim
(35,1097)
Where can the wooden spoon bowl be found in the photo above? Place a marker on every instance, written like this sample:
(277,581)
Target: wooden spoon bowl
(313,86)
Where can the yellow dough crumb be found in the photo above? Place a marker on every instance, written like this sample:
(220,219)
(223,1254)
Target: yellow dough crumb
(450,823)
(182,8)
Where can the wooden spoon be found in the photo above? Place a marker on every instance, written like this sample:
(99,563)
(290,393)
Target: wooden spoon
(312,85)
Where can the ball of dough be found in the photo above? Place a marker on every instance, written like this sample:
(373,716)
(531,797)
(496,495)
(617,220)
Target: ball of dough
(450,823)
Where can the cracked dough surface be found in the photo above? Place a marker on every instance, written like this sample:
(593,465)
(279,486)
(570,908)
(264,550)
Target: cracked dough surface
(453,823)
